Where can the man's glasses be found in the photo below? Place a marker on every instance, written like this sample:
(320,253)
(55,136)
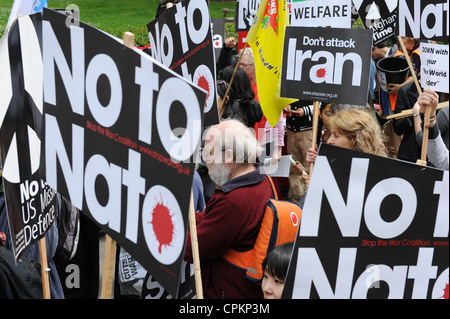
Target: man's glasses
(245,65)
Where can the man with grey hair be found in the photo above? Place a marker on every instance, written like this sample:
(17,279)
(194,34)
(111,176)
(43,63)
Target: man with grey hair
(233,215)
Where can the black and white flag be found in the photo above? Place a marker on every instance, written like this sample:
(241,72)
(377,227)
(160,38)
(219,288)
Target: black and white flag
(30,203)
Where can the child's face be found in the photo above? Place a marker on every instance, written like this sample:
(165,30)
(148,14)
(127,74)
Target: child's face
(272,287)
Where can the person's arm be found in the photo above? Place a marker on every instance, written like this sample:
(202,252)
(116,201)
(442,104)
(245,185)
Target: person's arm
(403,125)
(428,99)
(394,88)
(303,111)
(417,123)
(217,227)
(226,53)
(311,155)
(437,152)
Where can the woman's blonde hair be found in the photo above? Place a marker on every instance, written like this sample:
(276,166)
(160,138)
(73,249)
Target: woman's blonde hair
(362,128)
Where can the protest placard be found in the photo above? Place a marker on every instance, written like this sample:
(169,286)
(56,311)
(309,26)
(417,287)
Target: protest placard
(372,227)
(151,289)
(380,16)
(218,30)
(326,64)
(31,204)
(321,13)
(245,13)
(120,133)
(434,66)
(21,8)
(423,19)
(181,39)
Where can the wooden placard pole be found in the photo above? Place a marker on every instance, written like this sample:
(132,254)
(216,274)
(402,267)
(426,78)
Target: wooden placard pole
(109,258)
(408,113)
(315,125)
(195,252)
(423,158)
(128,39)
(44,268)
(411,68)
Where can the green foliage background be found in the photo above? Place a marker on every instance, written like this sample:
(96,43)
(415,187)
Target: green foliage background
(117,16)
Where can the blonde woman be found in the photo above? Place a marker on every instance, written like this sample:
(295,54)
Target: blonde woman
(357,130)
(352,128)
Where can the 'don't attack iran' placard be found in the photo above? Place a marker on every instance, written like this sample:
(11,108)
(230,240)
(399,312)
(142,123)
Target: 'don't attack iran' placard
(326,64)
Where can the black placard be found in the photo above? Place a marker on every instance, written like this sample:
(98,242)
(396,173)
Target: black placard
(380,16)
(423,19)
(31,204)
(371,227)
(181,39)
(326,64)
(120,134)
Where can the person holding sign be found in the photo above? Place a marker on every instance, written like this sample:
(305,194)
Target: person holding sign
(358,130)
(442,120)
(438,153)
(409,149)
(230,219)
(353,128)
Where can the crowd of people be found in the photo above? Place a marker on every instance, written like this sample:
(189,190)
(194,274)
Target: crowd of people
(229,218)
(233,190)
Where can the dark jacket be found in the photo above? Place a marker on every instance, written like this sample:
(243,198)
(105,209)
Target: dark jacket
(409,150)
(231,220)
(226,58)
(248,112)
(31,260)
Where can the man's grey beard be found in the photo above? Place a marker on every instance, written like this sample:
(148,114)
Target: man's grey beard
(219,173)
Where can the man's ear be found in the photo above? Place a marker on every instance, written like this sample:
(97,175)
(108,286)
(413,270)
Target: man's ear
(229,156)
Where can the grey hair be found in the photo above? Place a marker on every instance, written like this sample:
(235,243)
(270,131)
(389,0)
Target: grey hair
(248,51)
(235,136)
(335,108)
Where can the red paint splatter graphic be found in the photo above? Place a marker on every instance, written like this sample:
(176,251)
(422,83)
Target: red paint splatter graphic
(445,296)
(202,82)
(320,73)
(163,225)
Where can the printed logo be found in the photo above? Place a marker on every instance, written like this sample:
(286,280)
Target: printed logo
(294,219)
(162,223)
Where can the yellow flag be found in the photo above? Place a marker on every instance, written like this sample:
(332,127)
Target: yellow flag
(266,38)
